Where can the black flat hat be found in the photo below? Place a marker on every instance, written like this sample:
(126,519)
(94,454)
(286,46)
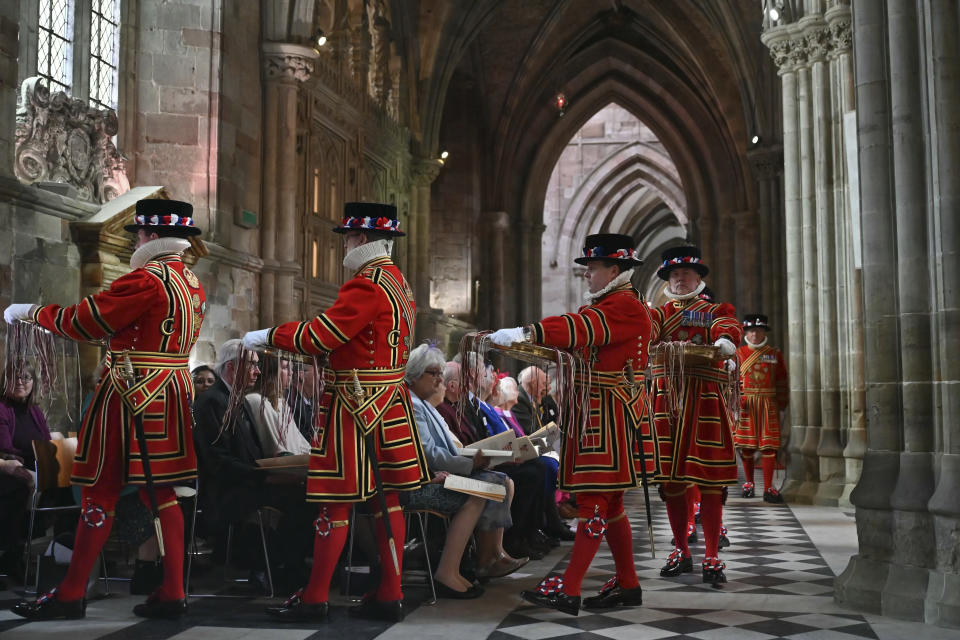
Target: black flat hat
(675,257)
(370,216)
(756,321)
(617,247)
(158,215)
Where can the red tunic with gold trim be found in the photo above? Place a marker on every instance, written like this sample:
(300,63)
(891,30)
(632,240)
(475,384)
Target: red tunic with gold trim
(697,446)
(611,334)
(367,330)
(154,313)
(765,391)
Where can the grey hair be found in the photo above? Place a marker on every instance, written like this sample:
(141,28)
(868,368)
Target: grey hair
(527,374)
(421,358)
(451,371)
(509,390)
(227,352)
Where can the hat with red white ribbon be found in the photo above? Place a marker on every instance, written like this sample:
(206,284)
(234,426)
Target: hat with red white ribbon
(164,217)
(370,216)
(676,257)
(617,247)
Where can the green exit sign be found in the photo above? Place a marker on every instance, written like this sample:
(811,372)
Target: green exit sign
(246,219)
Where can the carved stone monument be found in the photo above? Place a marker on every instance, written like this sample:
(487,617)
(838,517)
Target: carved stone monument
(63,139)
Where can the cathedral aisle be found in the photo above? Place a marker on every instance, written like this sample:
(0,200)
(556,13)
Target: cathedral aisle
(780,565)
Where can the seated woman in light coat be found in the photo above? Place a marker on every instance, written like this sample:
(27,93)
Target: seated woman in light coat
(273,419)
(424,376)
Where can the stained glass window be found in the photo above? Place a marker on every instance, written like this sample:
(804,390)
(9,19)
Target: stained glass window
(104,45)
(55,44)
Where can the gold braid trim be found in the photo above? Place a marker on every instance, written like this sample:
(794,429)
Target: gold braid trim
(378,514)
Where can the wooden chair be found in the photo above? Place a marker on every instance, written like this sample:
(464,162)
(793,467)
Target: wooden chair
(54,465)
(422,516)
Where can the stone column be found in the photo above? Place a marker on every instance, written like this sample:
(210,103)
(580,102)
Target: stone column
(285,66)
(498,267)
(912,525)
(942,58)
(781,49)
(811,311)
(862,582)
(424,172)
(813,65)
(9,52)
(529,279)
(827,141)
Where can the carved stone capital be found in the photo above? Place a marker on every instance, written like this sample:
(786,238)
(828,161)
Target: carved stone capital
(780,52)
(288,62)
(818,44)
(798,53)
(63,139)
(767,163)
(423,172)
(841,36)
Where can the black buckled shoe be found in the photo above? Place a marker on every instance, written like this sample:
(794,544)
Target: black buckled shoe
(748,488)
(373,609)
(549,594)
(676,564)
(47,607)
(612,595)
(724,541)
(773,496)
(294,609)
(713,572)
(165,609)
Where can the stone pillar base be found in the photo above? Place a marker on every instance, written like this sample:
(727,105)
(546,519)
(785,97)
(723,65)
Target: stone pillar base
(942,604)
(828,494)
(904,592)
(860,586)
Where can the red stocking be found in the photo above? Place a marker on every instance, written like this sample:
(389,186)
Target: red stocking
(589,507)
(96,519)
(711,516)
(768,460)
(746,456)
(389,589)
(171,524)
(331,535)
(620,540)
(676,500)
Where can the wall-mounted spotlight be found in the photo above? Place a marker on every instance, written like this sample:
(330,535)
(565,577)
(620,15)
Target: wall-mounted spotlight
(774,14)
(560,102)
(320,39)
(755,140)
(443,157)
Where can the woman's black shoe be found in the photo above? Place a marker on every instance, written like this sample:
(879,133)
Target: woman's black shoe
(154,608)
(612,595)
(443,591)
(372,609)
(676,564)
(47,607)
(294,609)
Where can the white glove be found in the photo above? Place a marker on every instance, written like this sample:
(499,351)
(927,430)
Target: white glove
(730,364)
(255,340)
(19,312)
(506,337)
(727,348)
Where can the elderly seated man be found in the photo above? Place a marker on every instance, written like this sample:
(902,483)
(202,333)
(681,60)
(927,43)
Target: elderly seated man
(424,378)
(232,484)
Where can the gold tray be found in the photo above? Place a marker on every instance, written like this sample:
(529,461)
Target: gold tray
(693,354)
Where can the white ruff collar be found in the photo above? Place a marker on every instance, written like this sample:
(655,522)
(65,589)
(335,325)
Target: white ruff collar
(149,250)
(684,296)
(359,256)
(623,278)
(758,345)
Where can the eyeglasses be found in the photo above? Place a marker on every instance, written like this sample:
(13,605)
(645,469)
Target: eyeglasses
(433,372)
(25,377)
